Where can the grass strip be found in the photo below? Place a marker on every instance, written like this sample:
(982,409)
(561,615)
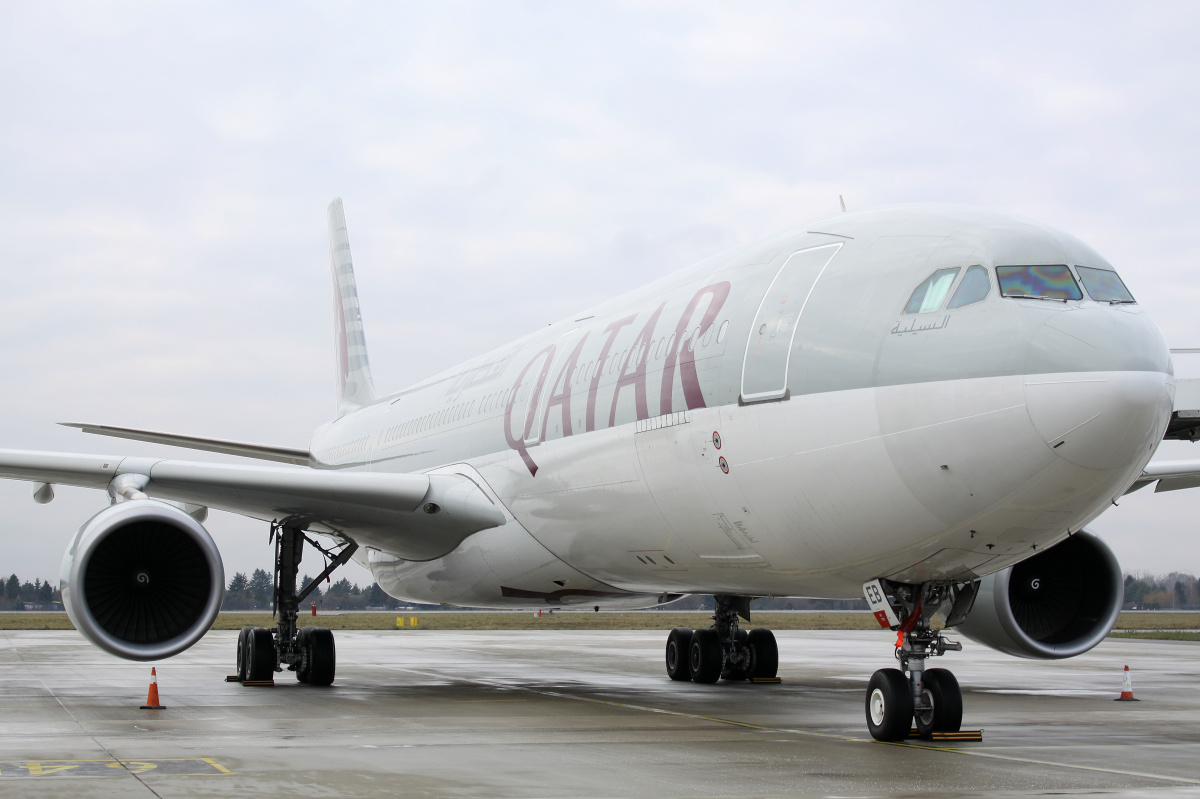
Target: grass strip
(1151,625)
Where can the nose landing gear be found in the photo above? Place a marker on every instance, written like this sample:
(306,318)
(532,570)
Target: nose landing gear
(929,697)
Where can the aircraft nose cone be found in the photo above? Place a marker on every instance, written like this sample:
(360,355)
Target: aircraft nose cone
(1100,420)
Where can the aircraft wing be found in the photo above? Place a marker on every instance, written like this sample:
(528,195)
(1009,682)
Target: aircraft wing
(1170,475)
(412,516)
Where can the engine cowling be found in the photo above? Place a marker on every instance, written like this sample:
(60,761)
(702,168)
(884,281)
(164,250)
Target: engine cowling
(142,580)
(1057,604)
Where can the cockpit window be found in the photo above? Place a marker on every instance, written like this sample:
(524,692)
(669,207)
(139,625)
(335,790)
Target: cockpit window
(929,295)
(974,288)
(1052,282)
(1103,285)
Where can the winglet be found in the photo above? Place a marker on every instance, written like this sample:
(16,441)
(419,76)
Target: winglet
(355,388)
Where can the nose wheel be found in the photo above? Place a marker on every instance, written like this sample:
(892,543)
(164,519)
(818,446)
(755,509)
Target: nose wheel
(930,699)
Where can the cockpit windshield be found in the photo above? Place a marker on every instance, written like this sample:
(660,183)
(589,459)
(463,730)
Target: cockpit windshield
(1050,282)
(929,295)
(1104,285)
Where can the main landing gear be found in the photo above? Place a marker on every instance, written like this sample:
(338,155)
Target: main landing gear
(309,651)
(930,698)
(723,651)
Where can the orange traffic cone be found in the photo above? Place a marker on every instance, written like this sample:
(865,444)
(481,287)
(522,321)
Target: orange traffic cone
(1126,689)
(152,694)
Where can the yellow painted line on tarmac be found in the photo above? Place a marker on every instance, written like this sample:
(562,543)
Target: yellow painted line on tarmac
(110,767)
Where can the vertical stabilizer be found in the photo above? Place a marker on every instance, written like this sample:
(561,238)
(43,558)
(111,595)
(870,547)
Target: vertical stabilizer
(354,385)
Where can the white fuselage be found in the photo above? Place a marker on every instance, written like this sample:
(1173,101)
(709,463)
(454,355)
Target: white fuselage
(632,460)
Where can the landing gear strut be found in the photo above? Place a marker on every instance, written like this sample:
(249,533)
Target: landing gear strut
(310,651)
(723,651)
(929,697)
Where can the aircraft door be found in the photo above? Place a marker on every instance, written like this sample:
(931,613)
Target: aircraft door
(769,348)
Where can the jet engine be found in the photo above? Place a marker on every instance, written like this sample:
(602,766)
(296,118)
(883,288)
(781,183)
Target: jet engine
(143,580)
(1057,604)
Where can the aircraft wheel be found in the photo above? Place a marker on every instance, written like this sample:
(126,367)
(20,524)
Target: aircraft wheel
(945,697)
(889,705)
(242,658)
(766,653)
(305,660)
(260,654)
(704,656)
(679,643)
(322,656)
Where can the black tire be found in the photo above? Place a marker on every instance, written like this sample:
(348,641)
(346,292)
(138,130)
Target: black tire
(679,644)
(243,658)
(260,655)
(766,653)
(322,656)
(889,705)
(943,693)
(302,645)
(704,656)
(733,674)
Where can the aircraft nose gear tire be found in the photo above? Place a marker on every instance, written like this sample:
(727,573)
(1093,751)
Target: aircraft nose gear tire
(679,644)
(766,653)
(705,656)
(944,704)
(889,705)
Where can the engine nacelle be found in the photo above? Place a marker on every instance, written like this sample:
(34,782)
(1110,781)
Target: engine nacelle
(1057,604)
(142,580)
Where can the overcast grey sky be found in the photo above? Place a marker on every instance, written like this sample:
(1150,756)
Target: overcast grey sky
(165,168)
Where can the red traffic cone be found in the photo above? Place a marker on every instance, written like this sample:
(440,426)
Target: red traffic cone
(1126,689)
(152,695)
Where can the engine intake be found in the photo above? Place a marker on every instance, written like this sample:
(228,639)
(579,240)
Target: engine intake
(1057,604)
(142,580)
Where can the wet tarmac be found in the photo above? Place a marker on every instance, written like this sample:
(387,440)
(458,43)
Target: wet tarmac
(582,714)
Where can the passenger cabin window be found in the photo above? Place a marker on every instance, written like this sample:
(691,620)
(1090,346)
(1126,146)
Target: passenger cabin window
(1051,282)
(929,295)
(975,287)
(1103,285)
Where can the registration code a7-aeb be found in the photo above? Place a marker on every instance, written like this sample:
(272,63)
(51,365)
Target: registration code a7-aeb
(873,591)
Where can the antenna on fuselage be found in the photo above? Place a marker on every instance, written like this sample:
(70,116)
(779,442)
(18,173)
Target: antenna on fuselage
(843,202)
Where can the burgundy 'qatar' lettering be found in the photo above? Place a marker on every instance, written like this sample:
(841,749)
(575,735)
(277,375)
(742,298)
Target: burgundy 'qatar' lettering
(636,378)
(519,443)
(563,398)
(692,396)
(612,331)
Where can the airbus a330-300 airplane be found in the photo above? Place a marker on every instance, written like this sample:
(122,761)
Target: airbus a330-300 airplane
(921,405)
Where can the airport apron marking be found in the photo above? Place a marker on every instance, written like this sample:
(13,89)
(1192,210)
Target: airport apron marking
(970,752)
(171,766)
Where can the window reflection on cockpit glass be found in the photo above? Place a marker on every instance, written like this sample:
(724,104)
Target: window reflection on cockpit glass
(974,288)
(1104,285)
(1052,282)
(929,295)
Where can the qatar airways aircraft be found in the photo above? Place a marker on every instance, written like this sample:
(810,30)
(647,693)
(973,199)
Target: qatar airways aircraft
(921,405)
